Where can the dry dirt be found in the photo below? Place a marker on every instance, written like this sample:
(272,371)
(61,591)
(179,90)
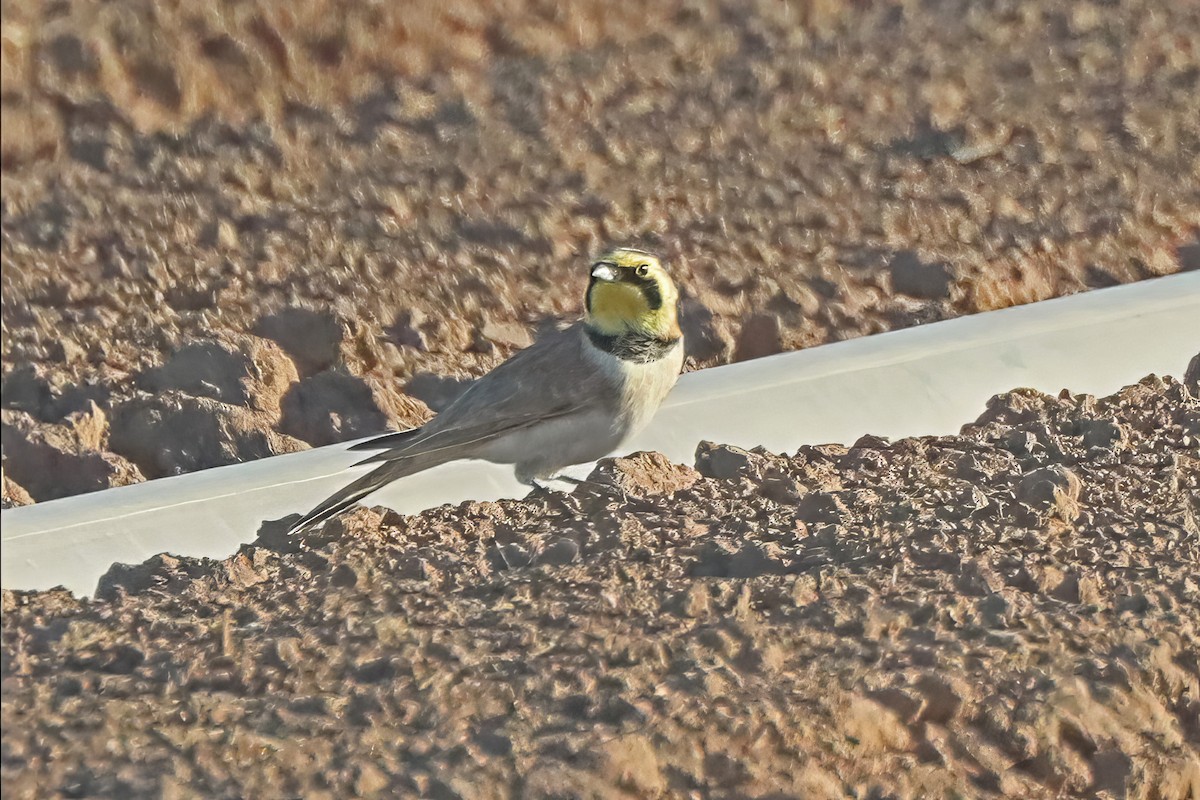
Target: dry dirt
(238,229)
(1014,611)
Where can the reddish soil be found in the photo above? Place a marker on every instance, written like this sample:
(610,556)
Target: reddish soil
(233,230)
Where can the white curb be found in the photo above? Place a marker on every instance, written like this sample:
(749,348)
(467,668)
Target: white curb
(925,380)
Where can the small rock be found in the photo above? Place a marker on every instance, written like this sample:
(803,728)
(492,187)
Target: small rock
(1020,443)
(1067,588)
(335,406)
(1052,491)
(493,743)
(1102,433)
(782,489)
(723,461)
(409,330)
(1017,407)
(870,441)
(26,389)
(314,340)
(1136,603)
(245,569)
(76,398)
(227,235)
(761,335)
(821,508)
(371,780)
(511,335)
(1191,376)
(992,610)
(635,763)
(559,552)
(375,670)
(973,467)
(939,701)
(911,276)
(868,454)
(175,433)
(51,461)
(644,474)
(753,560)
(161,572)
(343,576)
(67,351)
(874,727)
(13,494)
(513,556)
(697,601)
(90,427)
(236,369)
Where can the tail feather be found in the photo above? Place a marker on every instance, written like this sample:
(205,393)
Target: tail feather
(343,498)
(377,478)
(387,441)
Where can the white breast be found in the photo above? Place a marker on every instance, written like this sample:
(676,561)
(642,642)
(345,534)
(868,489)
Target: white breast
(649,385)
(542,450)
(644,386)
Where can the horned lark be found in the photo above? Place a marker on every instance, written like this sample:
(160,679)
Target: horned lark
(571,397)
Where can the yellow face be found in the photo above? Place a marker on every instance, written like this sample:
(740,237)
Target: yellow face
(630,292)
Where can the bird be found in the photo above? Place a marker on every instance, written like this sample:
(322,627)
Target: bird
(571,397)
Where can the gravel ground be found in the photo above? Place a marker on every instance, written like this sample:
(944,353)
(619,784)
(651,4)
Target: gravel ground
(233,230)
(1014,611)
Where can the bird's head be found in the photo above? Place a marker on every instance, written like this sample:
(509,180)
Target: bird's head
(630,292)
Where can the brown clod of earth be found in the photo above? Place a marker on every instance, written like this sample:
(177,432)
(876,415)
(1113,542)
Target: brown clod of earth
(240,370)
(335,406)
(173,433)
(46,462)
(13,493)
(313,340)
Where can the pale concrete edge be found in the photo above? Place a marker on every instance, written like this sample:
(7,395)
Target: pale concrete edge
(1036,319)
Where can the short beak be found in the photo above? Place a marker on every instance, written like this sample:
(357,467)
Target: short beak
(604,271)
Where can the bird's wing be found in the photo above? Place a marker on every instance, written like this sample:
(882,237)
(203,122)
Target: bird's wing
(548,380)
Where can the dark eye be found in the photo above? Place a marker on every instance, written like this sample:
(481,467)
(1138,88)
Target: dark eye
(643,270)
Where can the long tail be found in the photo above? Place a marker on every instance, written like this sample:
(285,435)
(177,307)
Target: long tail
(387,441)
(377,478)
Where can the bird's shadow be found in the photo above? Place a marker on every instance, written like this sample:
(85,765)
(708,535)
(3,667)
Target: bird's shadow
(277,536)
